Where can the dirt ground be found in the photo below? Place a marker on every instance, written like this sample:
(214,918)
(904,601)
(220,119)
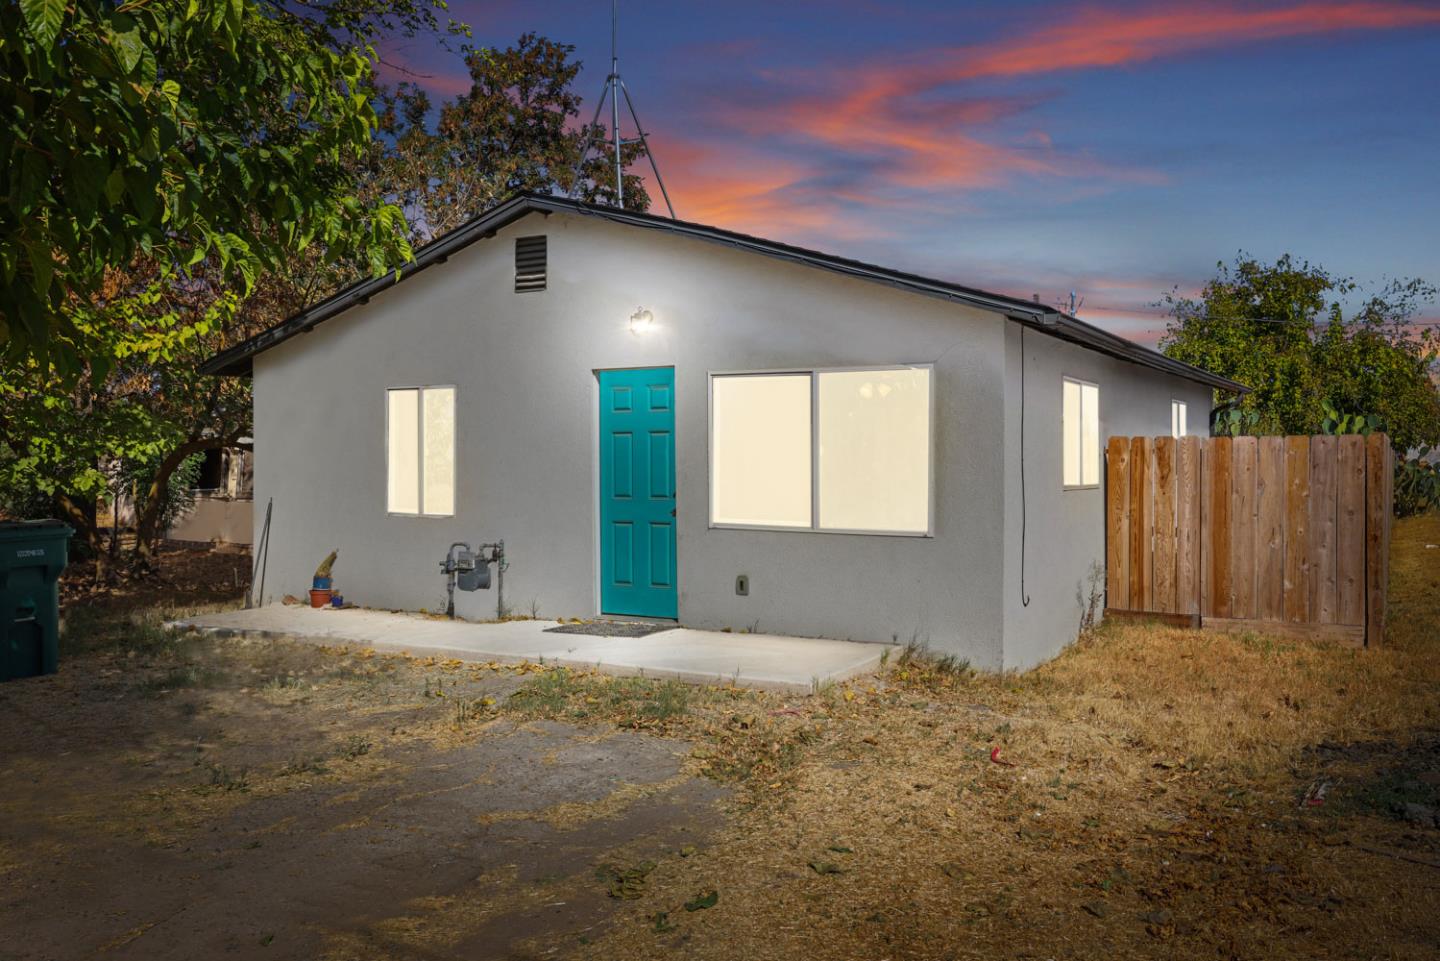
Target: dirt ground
(1151,793)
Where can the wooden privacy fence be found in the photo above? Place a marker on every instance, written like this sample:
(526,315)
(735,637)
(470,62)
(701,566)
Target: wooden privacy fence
(1278,534)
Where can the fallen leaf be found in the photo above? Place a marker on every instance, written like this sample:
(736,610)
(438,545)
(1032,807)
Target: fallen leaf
(703,901)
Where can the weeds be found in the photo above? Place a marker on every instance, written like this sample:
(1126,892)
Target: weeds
(356,745)
(1089,596)
(183,676)
(466,710)
(296,765)
(87,629)
(283,682)
(627,701)
(226,779)
(918,664)
(625,883)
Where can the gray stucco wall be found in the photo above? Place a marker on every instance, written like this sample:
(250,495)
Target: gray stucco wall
(1064,530)
(527,434)
(527,442)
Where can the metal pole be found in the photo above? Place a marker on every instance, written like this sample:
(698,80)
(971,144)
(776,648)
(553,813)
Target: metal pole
(646,145)
(500,580)
(264,552)
(615,105)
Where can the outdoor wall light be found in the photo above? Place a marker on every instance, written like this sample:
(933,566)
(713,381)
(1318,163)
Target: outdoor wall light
(642,321)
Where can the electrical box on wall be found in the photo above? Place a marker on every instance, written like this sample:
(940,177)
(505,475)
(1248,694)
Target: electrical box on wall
(742,585)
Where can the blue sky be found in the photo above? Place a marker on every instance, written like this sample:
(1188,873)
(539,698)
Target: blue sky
(1116,149)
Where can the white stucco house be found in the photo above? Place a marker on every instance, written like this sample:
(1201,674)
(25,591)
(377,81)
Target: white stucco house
(663,419)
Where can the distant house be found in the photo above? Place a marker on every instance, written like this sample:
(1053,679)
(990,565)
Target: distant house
(668,420)
(222,509)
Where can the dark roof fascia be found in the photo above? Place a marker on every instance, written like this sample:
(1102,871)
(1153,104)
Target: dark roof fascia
(237,360)
(1078,331)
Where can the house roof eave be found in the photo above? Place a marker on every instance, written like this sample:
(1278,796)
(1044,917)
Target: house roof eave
(238,360)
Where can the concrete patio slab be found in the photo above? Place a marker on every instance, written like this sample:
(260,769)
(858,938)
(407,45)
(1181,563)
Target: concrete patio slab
(768,661)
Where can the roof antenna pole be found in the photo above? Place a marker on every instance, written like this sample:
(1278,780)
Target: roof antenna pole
(615,88)
(612,82)
(645,144)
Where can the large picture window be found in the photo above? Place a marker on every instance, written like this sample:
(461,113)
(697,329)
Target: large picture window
(420,451)
(1080,426)
(833,450)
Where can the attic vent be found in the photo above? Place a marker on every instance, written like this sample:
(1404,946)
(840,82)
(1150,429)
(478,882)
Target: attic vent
(529,263)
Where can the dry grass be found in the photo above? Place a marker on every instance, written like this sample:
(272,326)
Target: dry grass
(1151,809)
(1138,797)
(1249,701)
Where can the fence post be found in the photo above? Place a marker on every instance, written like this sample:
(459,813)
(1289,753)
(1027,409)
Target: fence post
(1379,476)
(1270,531)
(1165,526)
(1117,526)
(1244,467)
(1219,563)
(1187,518)
(1350,533)
(1297,529)
(1139,524)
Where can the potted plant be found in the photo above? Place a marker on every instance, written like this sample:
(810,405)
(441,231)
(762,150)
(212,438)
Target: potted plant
(322,584)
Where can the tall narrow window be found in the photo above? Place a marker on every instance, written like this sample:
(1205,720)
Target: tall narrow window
(420,451)
(837,450)
(1080,441)
(1177,418)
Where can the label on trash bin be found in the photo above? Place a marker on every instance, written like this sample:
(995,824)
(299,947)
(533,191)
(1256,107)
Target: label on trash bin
(30,552)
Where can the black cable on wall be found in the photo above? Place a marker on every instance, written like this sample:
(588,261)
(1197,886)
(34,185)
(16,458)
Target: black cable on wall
(1024,597)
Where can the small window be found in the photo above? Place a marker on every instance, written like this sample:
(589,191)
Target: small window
(530,263)
(1177,418)
(1080,444)
(420,451)
(833,450)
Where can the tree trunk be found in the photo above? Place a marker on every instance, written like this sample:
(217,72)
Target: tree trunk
(147,518)
(82,516)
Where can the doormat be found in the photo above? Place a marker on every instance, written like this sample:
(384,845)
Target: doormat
(611,628)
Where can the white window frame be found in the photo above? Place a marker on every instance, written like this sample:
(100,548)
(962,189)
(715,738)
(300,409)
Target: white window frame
(420,390)
(813,373)
(1184,413)
(1099,435)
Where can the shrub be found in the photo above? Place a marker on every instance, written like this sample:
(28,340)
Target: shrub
(1417,485)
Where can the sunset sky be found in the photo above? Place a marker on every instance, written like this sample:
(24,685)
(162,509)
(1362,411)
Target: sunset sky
(1115,149)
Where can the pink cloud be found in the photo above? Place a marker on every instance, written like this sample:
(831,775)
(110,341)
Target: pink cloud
(909,125)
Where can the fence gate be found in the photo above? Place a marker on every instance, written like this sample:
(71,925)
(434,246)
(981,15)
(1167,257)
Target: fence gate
(1280,534)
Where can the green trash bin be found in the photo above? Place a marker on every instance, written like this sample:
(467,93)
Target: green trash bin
(32,555)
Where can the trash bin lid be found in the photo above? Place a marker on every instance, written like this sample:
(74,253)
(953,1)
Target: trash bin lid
(24,530)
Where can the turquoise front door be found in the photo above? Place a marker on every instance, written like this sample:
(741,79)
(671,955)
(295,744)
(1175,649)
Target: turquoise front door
(637,492)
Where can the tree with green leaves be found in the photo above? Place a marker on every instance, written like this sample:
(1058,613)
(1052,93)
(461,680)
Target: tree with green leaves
(1283,330)
(513,130)
(172,132)
(130,410)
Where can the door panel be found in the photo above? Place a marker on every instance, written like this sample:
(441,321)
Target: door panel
(637,493)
